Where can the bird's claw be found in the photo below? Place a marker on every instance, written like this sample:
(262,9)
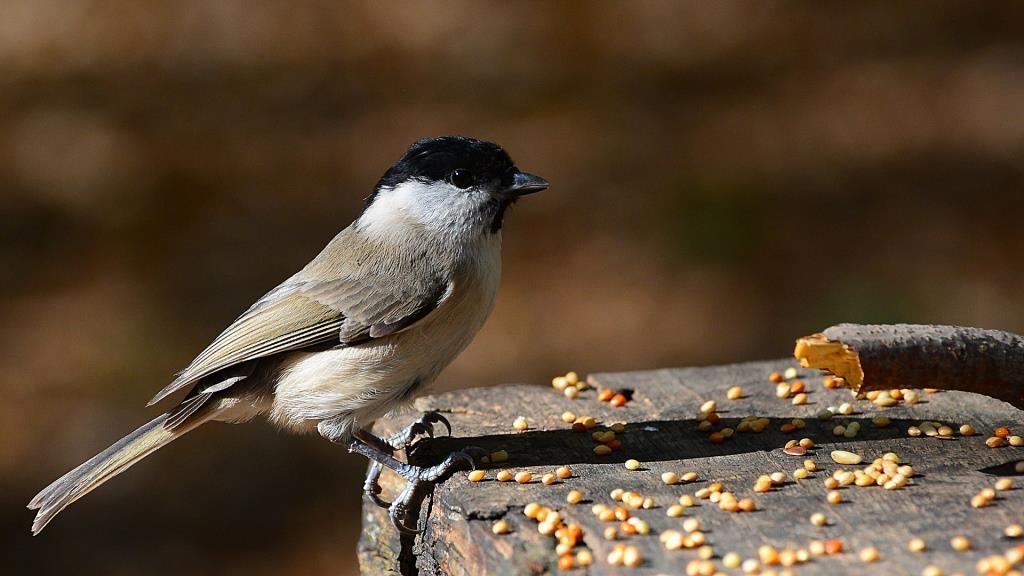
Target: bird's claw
(424,426)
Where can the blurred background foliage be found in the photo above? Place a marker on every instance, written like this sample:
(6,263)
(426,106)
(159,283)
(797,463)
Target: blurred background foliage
(726,176)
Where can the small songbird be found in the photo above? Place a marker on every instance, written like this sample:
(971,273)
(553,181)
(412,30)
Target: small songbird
(369,322)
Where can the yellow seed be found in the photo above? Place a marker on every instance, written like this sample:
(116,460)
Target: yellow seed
(706,552)
(674,511)
(531,510)
(734,393)
(631,557)
(520,424)
(548,479)
(818,519)
(563,472)
(790,373)
(1015,440)
(1019,467)
(839,430)
(806,443)
(881,421)
(914,431)
(960,543)
(686,500)
(1013,531)
(476,475)
(504,476)
(994,441)
(500,527)
(732,560)
(1004,484)
(568,417)
(574,497)
(610,533)
(801,474)
(691,525)
(632,464)
(800,399)
(870,554)
(810,465)
(584,557)
(602,450)
(689,477)
(523,477)
(782,390)
(670,478)
(966,430)
(572,378)
(846,458)
(834,497)
(916,545)
(571,392)
(932,570)
(499,456)
(708,407)
(559,382)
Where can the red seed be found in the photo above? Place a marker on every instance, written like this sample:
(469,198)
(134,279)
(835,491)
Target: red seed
(797,450)
(618,400)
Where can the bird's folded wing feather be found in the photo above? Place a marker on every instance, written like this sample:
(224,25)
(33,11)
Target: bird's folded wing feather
(301,314)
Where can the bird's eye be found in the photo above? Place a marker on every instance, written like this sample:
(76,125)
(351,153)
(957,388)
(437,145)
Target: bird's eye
(461,178)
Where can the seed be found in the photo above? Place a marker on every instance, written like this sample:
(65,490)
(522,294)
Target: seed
(1004,484)
(674,511)
(500,527)
(734,393)
(632,464)
(708,407)
(1013,531)
(1019,467)
(571,392)
(568,417)
(790,373)
(851,431)
(566,561)
(932,570)
(801,474)
(686,500)
(800,399)
(499,456)
(531,510)
(616,494)
(572,378)
(775,377)
(602,450)
(563,472)
(504,476)
(807,443)
(747,505)
(476,475)
(584,558)
(768,555)
(523,477)
(520,424)
(787,428)
(688,477)
(810,465)
(795,450)
(846,458)
(818,519)
(732,560)
(913,431)
(782,390)
(833,546)
(716,437)
(605,394)
(1002,432)
(834,497)
(618,427)
(610,533)
(615,556)
(559,382)
(618,400)
(994,441)
(869,554)
(691,525)
(631,557)
(574,497)
(911,397)
(797,386)
(880,421)
(916,545)
(839,430)
(945,431)
(960,543)
(670,478)
(750,566)
(1015,440)
(548,479)
(979,501)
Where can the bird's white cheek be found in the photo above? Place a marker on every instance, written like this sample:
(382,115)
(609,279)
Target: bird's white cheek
(438,206)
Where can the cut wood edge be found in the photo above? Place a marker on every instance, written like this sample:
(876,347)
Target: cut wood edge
(817,351)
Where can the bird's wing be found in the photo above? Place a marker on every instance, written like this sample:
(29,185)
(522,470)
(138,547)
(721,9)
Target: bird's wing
(357,307)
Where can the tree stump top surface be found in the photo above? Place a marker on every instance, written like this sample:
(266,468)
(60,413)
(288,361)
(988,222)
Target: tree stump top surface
(661,432)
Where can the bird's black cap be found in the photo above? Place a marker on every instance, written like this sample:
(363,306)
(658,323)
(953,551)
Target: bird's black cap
(433,159)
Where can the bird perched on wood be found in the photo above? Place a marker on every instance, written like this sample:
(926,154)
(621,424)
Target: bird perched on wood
(356,333)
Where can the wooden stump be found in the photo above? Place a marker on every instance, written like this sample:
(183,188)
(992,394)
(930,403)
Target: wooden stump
(661,432)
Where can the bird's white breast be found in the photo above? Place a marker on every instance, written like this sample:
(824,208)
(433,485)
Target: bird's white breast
(371,379)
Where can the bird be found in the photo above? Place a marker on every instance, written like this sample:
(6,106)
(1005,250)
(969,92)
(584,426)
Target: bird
(358,332)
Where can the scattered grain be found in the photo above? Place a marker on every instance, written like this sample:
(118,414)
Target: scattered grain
(916,545)
(523,477)
(632,464)
(819,519)
(504,476)
(869,554)
(501,527)
(960,543)
(734,393)
(476,475)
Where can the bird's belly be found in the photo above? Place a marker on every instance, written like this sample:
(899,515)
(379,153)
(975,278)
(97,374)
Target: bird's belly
(365,382)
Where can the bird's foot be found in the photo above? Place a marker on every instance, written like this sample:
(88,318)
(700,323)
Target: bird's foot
(422,427)
(419,479)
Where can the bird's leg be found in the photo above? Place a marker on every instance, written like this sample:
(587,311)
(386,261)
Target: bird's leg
(419,478)
(400,441)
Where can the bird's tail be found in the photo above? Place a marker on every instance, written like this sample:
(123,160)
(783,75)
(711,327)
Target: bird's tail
(102,467)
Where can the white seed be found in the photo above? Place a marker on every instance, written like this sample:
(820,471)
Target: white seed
(846,458)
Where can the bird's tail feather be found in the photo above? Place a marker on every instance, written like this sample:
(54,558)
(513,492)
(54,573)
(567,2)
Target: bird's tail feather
(104,466)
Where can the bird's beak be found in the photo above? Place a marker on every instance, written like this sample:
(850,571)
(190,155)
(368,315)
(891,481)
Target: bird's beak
(523,184)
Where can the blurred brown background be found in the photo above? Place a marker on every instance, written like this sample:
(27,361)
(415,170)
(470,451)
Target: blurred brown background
(725,177)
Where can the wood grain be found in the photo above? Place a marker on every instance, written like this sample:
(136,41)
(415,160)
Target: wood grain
(662,433)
